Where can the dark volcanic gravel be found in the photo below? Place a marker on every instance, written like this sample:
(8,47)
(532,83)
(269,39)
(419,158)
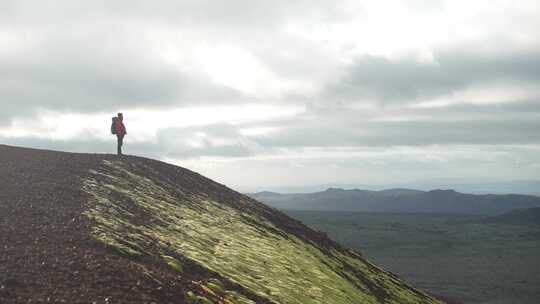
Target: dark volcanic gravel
(46,252)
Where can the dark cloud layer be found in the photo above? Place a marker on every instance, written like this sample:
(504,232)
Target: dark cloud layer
(408,80)
(412,133)
(89,79)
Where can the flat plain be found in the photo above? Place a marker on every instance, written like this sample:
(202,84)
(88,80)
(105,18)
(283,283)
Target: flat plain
(457,256)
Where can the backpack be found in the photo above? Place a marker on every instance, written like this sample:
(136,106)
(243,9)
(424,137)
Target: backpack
(113,125)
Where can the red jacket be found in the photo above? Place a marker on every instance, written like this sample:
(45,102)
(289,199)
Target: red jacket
(120,128)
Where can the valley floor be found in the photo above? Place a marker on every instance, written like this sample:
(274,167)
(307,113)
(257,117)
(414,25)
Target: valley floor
(450,255)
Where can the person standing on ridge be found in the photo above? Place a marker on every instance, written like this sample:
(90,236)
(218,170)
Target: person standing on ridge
(119,129)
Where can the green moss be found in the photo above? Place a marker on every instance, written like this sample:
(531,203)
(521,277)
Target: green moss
(241,247)
(173,263)
(236,298)
(195,299)
(125,250)
(215,287)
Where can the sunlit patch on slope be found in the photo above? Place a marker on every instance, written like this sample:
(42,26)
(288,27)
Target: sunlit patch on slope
(143,217)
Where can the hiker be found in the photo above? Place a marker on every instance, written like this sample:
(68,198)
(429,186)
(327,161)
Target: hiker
(118,128)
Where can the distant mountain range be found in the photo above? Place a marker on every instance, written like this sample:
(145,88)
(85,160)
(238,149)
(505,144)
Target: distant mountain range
(527,187)
(399,200)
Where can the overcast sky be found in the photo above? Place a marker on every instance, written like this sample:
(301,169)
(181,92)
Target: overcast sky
(262,94)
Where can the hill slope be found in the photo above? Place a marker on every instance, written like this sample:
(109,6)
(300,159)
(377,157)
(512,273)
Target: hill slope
(530,216)
(81,228)
(399,200)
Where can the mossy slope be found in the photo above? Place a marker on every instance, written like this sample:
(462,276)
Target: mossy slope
(149,209)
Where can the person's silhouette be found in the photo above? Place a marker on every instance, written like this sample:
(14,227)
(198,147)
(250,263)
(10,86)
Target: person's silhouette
(120,132)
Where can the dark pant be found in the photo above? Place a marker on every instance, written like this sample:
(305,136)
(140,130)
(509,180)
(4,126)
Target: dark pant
(120,143)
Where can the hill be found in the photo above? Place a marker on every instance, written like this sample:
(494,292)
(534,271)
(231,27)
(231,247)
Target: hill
(83,228)
(530,216)
(398,200)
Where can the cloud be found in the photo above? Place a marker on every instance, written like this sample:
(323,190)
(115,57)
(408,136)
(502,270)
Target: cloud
(81,145)
(507,123)
(260,84)
(403,166)
(238,15)
(408,80)
(219,140)
(102,56)
(5,119)
(66,76)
